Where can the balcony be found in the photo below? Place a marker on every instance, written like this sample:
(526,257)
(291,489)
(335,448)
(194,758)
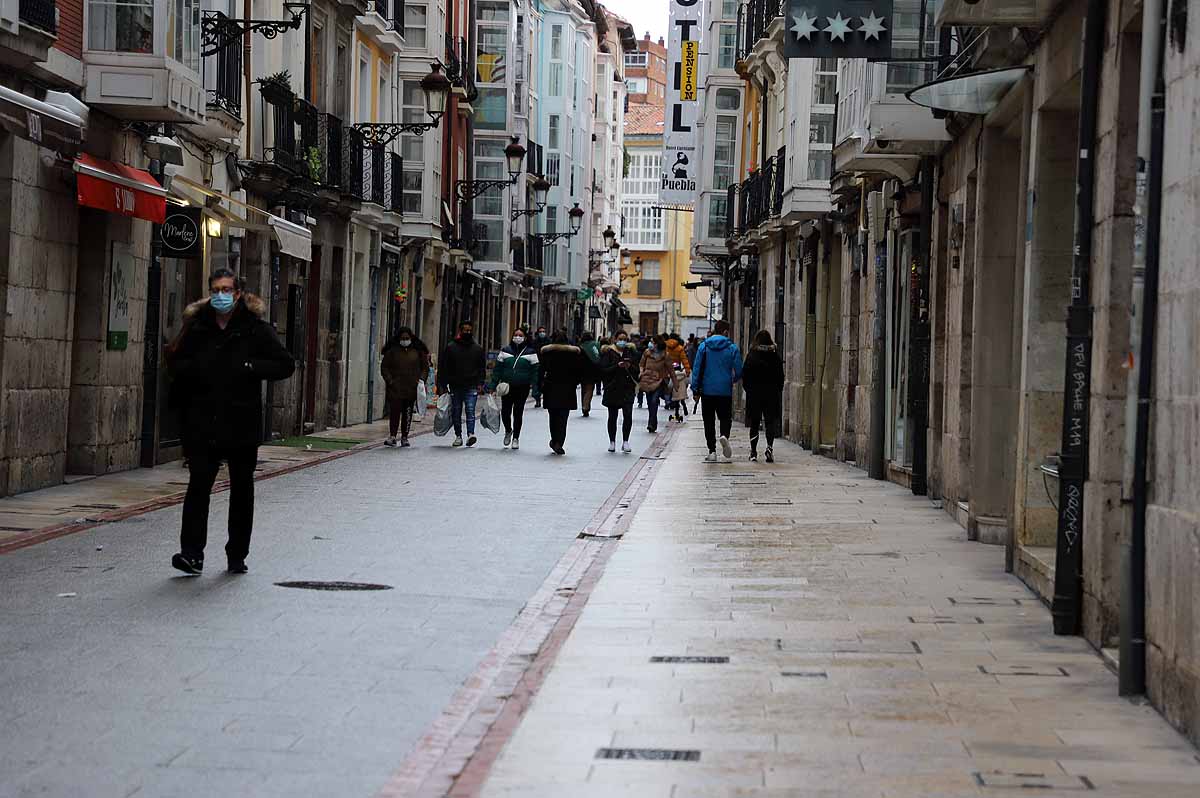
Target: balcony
(144,64)
(760,30)
(383,24)
(991,13)
(460,70)
(761,196)
(27,30)
(223,85)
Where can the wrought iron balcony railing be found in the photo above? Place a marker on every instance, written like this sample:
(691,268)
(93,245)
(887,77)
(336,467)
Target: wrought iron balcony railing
(732,228)
(397,182)
(459,68)
(753,21)
(226,94)
(40,14)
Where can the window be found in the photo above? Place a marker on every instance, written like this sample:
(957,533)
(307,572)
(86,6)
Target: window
(556,80)
(820,165)
(416,26)
(635,85)
(716,215)
(491,66)
(491,55)
(556,42)
(824,89)
(643,223)
(126,26)
(651,269)
(554,137)
(727,53)
(491,11)
(364,85)
(729,9)
(728,99)
(724,166)
(820,129)
(552,168)
(489,206)
(643,179)
(183,32)
(635,59)
(412,148)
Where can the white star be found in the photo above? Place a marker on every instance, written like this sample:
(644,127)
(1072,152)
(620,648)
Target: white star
(872,26)
(838,27)
(805,26)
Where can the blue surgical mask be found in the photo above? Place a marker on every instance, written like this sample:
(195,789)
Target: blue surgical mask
(222,303)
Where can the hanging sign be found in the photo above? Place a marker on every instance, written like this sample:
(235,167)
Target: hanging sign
(680,155)
(838,29)
(181,233)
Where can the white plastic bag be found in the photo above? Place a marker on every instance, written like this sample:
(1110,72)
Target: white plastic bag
(489,413)
(422,401)
(443,422)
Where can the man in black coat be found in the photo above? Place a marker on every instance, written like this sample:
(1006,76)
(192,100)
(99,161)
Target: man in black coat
(561,367)
(217,367)
(462,370)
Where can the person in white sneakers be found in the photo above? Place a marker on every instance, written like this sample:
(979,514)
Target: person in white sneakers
(619,372)
(516,368)
(717,367)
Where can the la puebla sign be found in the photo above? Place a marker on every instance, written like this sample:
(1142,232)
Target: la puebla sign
(838,29)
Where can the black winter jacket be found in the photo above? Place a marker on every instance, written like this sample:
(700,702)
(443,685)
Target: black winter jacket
(217,375)
(560,370)
(763,378)
(619,371)
(463,365)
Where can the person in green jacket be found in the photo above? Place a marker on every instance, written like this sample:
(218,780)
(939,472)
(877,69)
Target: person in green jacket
(517,368)
(591,350)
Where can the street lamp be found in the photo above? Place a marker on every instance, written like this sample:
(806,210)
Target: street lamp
(576,218)
(575,221)
(436,87)
(541,187)
(514,153)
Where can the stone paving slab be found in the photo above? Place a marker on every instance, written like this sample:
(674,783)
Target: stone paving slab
(871,652)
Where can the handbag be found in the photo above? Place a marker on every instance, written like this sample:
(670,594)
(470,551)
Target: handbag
(422,403)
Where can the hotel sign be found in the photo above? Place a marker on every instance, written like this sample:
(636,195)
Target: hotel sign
(680,161)
(838,29)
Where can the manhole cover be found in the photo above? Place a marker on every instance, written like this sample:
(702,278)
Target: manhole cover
(333,585)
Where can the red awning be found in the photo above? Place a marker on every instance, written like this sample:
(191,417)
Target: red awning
(118,188)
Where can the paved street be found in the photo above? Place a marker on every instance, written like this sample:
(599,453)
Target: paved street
(872,651)
(119,677)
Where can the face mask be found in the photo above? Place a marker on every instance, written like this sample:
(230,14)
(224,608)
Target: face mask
(518,339)
(652,347)
(221,303)
(624,344)
(405,342)
(541,335)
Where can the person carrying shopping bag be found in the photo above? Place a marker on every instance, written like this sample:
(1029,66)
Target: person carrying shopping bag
(619,372)
(656,376)
(405,365)
(461,370)
(762,380)
(516,368)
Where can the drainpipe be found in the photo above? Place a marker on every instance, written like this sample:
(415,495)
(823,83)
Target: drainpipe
(1143,301)
(876,463)
(920,336)
(1068,575)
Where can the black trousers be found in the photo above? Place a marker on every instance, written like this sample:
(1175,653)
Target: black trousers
(204,463)
(558,426)
(626,424)
(766,416)
(400,416)
(713,407)
(512,408)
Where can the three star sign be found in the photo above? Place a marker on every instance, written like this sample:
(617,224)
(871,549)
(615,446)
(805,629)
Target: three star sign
(804,26)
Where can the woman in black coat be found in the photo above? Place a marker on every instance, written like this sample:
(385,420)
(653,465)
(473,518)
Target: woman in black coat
(762,379)
(619,368)
(561,367)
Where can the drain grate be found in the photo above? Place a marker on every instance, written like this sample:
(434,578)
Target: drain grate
(333,585)
(693,660)
(1022,670)
(1033,781)
(652,754)
(806,674)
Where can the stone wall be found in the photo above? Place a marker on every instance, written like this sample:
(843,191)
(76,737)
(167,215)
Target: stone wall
(38,234)
(1173,518)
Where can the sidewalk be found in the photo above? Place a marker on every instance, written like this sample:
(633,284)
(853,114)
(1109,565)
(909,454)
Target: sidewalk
(83,502)
(872,651)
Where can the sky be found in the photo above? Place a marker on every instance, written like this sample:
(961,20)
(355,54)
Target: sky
(644,15)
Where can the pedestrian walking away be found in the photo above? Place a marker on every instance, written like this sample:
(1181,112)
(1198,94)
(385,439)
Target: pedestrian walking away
(560,366)
(681,368)
(762,380)
(540,339)
(404,367)
(217,367)
(655,380)
(514,376)
(718,365)
(461,371)
(619,371)
(591,351)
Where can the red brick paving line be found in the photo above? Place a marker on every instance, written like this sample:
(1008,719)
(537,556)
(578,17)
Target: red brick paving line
(456,754)
(33,537)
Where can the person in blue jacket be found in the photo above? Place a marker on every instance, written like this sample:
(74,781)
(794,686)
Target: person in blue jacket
(718,365)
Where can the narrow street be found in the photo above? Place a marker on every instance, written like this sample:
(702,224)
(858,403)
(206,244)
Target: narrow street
(120,677)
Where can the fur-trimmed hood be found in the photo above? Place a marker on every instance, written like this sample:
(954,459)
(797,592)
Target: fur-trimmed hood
(550,349)
(253,302)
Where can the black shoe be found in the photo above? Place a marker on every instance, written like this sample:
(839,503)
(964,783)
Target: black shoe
(237,567)
(189,565)
(770,455)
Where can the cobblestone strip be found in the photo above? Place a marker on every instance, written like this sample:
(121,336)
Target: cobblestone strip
(455,756)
